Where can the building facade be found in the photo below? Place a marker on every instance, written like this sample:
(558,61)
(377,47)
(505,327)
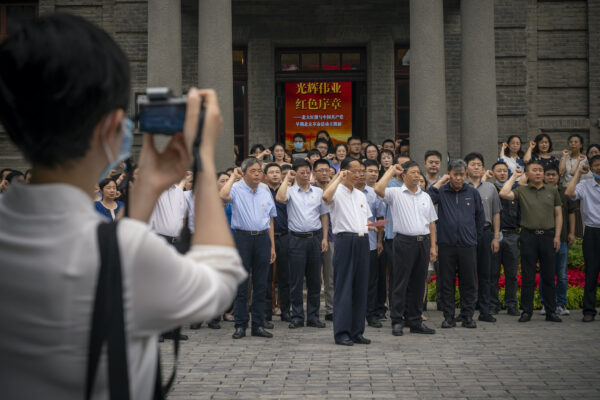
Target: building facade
(456,76)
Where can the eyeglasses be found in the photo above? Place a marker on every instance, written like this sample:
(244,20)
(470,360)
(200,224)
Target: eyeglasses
(254,171)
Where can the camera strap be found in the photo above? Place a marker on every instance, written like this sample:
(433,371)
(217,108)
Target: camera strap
(197,166)
(108,325)
(108,319)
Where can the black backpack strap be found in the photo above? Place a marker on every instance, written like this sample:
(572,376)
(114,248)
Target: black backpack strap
(108,318)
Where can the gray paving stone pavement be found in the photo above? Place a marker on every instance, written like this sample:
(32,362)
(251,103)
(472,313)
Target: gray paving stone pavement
(504,360)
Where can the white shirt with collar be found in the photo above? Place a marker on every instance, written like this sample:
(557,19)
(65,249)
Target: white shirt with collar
(169,212)
(349,210)
(588,191)
(304,209)
(411,212)
(50,262)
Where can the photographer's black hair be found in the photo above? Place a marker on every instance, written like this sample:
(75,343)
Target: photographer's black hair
(301,163)
(59,75)
(9,170)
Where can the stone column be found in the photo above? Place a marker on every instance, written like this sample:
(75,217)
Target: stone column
(215,68)
(164,49)
(479,120)
(427,79)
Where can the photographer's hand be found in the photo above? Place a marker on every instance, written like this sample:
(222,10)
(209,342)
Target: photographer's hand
(157,172)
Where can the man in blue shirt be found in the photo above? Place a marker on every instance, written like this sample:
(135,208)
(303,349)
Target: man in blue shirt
(281,268)
(253,210)
(460,222)
(307,220)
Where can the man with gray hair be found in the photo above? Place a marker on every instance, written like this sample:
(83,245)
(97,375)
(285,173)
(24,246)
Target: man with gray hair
(460,222)
(253,210)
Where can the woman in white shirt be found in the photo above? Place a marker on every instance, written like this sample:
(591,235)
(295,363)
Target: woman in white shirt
(72,129)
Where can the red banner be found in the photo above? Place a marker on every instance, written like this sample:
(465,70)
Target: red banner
(311,107)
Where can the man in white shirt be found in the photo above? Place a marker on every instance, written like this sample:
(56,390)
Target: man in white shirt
(413,216)
(307,220)
(48,234)
(169,213)
(350,215)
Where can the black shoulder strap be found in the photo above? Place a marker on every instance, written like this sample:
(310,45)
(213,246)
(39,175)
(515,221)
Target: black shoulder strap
(108,318)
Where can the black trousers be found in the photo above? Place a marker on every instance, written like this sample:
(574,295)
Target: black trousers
(388,255)
(350,281)
(283,278)
(509,257)
(411,261)
(484,269)
(373,290)
(536,248)
(305,262)
(255,252)
(591,256)
(463,259)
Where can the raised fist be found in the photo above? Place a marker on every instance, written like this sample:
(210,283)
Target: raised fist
(584,168)
(532,144)
(565,152)
(237,173)
(445,179)
(518,172)
(504,146)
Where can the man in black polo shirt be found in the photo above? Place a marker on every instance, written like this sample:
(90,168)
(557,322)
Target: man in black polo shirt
(460,222)
(541,220)
(273,174)
(508,256)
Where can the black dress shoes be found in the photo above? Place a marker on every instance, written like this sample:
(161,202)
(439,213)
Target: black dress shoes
(214,325)
(422,329)
(285,317)
(553,317)
(329,317)
(261,332)
(296,324)
(525,317)
(375,323)
(486,318)
(196,326)
(588,318)
(468,322)
(268,325)
(449,323)
(360,339)
(239,333)
(397,329)
(345,342)
(315,324)
(512,311)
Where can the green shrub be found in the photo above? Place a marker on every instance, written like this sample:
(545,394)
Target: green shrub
(575,259)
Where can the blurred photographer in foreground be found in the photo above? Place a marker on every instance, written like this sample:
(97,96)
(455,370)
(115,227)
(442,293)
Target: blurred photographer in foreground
(64,86)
